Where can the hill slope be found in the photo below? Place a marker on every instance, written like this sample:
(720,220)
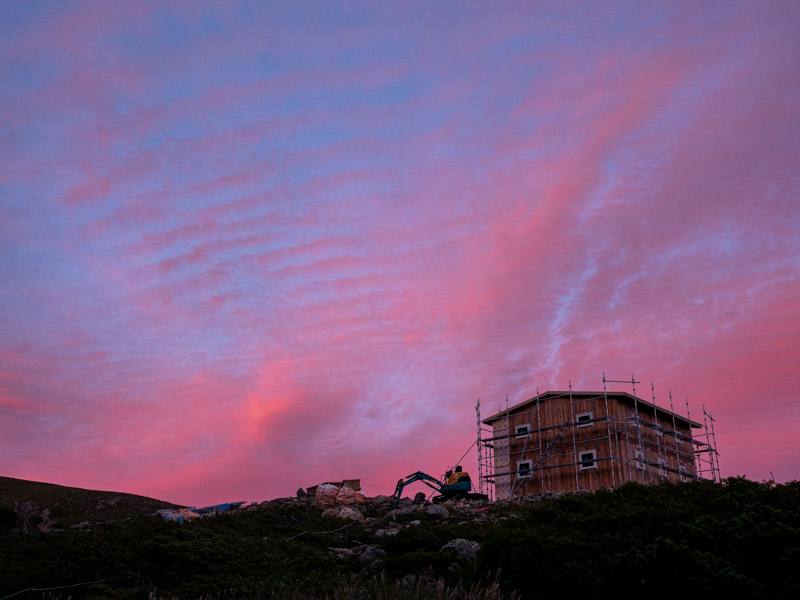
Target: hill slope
(26,506)
(738,538)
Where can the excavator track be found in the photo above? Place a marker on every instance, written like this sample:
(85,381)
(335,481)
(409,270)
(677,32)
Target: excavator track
(460,496)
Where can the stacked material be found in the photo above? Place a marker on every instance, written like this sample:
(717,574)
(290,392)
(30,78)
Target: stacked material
(328,494)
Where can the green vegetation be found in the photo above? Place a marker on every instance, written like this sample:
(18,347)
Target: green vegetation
(30,505)
(665,540)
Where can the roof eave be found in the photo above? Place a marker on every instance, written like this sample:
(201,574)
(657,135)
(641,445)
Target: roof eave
(555,394)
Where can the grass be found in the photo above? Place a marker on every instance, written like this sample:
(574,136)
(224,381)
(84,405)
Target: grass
(738,537)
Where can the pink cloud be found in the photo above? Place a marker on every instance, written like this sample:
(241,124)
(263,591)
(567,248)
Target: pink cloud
(309,264)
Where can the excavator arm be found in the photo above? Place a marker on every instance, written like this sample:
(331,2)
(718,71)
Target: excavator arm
(409,479)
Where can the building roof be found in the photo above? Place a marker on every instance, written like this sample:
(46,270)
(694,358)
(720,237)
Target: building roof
(620,396)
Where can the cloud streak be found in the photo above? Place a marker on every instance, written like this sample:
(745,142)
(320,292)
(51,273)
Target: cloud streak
(245,250)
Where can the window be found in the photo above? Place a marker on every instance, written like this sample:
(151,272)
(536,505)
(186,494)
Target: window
(522,431)
(662,469)
(659,432)
(682,471)
(639,460)
(588,459)
(524,468)
(585,419)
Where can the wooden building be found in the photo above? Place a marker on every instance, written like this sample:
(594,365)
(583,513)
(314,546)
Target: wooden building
(571,440)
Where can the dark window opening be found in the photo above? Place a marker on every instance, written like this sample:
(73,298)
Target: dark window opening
(588,459)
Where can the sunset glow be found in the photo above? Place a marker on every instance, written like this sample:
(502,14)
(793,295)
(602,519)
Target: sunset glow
(250,247)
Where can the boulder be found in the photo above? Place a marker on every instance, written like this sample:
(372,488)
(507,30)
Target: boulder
(464,548)
(438,510)
(386,532)
(419,498)
(343,512)
(343,553)
(419,580)
(301,493)
(371,554)
(402,511)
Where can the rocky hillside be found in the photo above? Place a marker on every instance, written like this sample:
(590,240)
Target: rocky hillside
(27,506)
(739,537)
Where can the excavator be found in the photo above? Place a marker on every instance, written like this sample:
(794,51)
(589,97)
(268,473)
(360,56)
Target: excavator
(454,484)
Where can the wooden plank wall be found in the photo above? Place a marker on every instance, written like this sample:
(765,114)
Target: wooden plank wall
(502,482)
(558,470)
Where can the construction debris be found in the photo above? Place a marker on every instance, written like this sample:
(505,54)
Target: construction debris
(179,515)
(328,495)
(182,514)
(353,484)
(339,500)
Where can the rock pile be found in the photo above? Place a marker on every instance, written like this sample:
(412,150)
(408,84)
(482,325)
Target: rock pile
(377,513)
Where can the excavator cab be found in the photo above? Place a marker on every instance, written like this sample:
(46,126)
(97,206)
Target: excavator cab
(456,482)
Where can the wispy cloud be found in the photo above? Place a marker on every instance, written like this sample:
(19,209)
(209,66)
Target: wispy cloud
(247,249)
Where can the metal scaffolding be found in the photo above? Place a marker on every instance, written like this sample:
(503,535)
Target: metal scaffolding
(506,470)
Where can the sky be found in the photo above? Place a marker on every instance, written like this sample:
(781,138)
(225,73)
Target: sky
(250,247)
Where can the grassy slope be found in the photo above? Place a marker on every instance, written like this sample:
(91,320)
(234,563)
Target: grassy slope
(22,504)
(644,541)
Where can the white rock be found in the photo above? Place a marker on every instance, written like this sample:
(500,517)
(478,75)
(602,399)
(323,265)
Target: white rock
(464,548)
